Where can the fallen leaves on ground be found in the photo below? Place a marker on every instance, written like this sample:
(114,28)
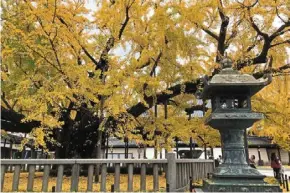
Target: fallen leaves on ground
(82,183)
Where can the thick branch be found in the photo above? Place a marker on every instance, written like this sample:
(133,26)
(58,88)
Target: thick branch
(273,71)
(233,34)
(139,108)
(11,121)
(222,35)
(103,62)
(145,64)
(255,27)
(124,23)
(280,30)
(262,57)
(195,108)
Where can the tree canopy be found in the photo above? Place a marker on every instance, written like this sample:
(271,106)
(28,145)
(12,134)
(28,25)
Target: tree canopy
(94,71)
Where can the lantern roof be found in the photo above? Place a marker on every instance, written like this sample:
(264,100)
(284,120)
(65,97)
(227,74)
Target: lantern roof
(230,81)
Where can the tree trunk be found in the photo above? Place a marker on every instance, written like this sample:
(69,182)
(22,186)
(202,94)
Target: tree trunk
(190,147)
(99,137)
(107,146)
(58,148)
(144,153)
(155,136)
(205,153)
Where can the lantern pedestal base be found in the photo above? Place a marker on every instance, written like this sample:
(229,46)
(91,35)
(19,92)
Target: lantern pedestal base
(238,184)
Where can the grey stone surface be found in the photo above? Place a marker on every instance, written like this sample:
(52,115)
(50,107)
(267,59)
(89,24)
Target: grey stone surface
(117,178)
(31,170)
(230,79)
(16,176)
(45,178)
(143,178)
(171,169)
(230,94)
(59,178)
(90,178)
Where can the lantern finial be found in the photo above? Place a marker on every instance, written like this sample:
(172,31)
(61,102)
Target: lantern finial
(226,63)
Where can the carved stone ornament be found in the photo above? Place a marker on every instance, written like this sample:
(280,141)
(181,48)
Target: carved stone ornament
(226,63)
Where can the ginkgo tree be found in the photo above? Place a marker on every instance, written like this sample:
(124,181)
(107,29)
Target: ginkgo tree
(73,73)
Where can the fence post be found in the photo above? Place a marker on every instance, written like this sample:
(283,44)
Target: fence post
(74,178)
(45,178)
(16,177)
(90,178)
(143,178)
(3,170)
(171,171)
(130,177)
(117,178)
(59,179)
(31,174)
(155,178)
(287,185)
(103,177)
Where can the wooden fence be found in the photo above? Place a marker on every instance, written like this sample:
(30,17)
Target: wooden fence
(178,172)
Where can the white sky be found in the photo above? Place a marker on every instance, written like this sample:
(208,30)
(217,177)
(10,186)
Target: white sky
(91,4)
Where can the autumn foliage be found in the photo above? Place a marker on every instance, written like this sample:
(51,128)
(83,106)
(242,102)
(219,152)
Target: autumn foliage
(95,71)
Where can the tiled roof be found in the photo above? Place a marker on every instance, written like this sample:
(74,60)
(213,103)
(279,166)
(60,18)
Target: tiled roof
(255,141)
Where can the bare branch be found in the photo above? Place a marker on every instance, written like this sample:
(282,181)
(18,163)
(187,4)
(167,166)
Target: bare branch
(206,30)
(126,20)
(89,55)
(272,71)
(153,70)
(156,63)
(256,28)
(278,15)
(254,43)
(280,43)
(280,31)
(248,6)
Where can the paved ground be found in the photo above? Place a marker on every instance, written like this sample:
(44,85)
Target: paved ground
(269,172)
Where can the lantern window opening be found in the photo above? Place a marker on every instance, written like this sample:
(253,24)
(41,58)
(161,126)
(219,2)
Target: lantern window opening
(232,102)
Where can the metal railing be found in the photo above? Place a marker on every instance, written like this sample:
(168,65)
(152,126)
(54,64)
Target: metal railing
(178,172)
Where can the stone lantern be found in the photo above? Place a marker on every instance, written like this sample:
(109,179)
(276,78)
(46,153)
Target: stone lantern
(230,93)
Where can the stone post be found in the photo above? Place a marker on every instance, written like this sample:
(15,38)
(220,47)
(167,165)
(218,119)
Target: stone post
(171,171)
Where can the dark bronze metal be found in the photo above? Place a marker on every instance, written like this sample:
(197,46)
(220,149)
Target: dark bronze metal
(230,94)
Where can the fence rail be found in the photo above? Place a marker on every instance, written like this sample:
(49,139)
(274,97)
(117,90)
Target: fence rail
(178,172)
